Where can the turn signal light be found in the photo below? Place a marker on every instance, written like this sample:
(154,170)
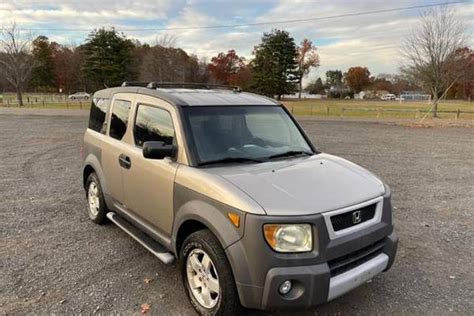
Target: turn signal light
(234,218)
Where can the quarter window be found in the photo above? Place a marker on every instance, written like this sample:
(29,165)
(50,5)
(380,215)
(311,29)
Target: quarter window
(153,124)
(119,118)
(98,113)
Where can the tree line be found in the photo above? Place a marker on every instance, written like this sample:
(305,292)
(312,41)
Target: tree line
(357,79)
(436,61)
(108,57)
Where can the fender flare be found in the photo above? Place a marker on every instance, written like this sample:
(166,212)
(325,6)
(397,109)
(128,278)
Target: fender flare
(214,218)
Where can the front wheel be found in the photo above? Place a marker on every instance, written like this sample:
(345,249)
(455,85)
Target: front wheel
(207,276)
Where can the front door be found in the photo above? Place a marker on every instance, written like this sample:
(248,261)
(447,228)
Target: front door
(149,183)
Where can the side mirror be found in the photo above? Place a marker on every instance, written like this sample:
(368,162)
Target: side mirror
(158,150)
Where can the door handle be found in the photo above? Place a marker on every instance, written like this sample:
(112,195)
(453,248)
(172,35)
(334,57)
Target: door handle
(125,161)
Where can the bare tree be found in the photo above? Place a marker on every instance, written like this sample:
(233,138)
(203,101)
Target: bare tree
(16,61)
(166,64)
(166,40)
(307,59)
(430,52)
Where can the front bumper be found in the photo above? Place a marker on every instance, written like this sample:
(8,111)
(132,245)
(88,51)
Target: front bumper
(259,271)
(351,279)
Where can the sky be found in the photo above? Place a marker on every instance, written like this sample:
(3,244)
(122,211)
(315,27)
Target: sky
(371,40)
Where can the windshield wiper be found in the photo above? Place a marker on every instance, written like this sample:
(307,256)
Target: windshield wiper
(230,160)
(291,153)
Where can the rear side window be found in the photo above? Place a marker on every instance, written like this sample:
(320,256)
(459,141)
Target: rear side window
(119,118)
(153,124)
(98,114)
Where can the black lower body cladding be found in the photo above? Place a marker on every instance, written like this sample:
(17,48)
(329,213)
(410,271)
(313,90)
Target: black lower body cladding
(259,271)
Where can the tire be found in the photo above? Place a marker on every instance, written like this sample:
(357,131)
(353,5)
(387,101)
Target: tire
(96,207)
(197,245)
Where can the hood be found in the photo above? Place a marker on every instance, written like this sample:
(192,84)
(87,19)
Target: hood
(304,186)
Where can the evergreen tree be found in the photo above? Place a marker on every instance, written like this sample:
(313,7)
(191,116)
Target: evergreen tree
(107,59)
(275,67)
(334,78)
(316,87)
(42,74)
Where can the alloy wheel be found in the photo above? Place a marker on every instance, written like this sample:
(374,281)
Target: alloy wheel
(202,278)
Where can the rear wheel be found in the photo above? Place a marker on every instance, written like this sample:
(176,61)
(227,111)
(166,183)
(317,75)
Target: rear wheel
(95,200)
(207,276)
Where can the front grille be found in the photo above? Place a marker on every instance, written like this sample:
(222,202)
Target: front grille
(349,219)
(356,258)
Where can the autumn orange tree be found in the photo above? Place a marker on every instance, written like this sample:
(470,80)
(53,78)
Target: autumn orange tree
(229,68)
(357,78)
(382,83)
(307,58)
(67,68)
(464,67)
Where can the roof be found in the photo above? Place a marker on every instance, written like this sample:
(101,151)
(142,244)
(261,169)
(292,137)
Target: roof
(192,97)
(217,97)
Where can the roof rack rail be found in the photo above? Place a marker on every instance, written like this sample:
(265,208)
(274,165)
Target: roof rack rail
(190,85)
(134,83)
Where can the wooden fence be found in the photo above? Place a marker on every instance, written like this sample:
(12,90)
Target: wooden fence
(342,112)
(42,102)
(320,110)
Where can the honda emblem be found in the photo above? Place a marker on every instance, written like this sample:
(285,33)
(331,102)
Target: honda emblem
(356,217)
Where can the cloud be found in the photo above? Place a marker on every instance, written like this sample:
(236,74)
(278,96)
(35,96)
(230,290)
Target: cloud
(365,40)
(84,13)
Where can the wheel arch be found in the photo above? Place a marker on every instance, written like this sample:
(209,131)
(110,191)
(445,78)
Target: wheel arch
(92,164)
(88,169)
(197,215)
(185,229)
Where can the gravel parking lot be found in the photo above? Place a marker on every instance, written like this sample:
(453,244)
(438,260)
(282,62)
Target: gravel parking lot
(54,260)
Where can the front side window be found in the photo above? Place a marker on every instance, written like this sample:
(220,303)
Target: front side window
(232,133)
(119,118)
(153,124)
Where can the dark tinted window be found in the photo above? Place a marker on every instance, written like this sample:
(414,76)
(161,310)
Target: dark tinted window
(153,124)
(119,118)
(98,114)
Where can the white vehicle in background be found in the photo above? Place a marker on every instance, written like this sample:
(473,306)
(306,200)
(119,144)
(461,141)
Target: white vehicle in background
(80,96)
(388,97)
(400,98)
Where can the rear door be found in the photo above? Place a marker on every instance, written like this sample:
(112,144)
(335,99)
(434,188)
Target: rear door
(149,183)
(118,130)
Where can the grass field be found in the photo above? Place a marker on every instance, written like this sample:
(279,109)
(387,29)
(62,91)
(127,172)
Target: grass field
(377,108)
(43,100)
(327,107)
(55,105)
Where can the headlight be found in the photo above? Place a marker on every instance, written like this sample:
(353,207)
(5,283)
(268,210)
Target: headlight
(289,237)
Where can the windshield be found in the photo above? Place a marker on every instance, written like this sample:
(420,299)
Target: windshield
(243,133)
